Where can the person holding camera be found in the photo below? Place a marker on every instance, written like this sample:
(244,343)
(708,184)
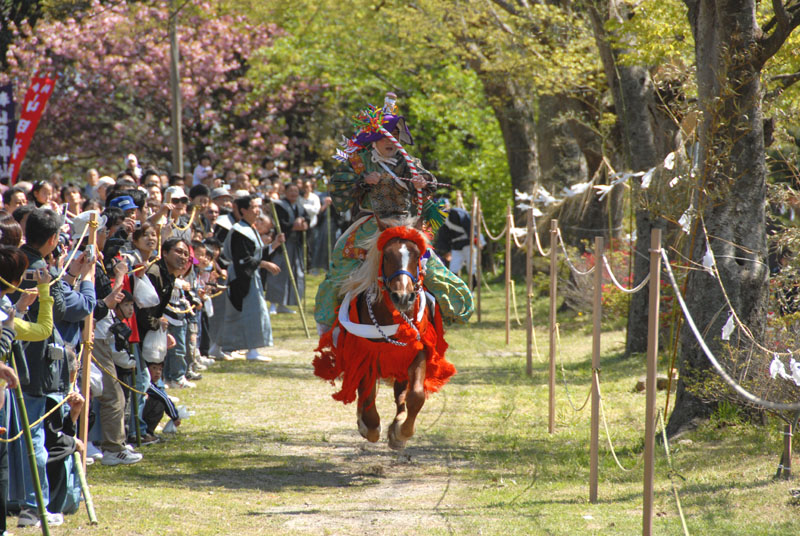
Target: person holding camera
(44,359)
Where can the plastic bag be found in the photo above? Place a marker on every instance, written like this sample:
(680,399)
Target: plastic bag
(144,293)
(154,346)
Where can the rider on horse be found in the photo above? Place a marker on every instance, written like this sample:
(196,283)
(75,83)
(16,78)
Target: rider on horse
(372,183)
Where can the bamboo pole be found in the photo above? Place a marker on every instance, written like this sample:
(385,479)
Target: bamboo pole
(650,383)
(528,292)
(305,265)
(26,432)
(87,495)
(459,199)
(473,221)
(135,400)
(291,272)
(551,418)
(86,352)
(480,267)
(328,233)
(508,275)
(597,313)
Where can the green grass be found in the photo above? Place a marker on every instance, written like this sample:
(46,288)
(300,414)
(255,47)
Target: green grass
(270,452)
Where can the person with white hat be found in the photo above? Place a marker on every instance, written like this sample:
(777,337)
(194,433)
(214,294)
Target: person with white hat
(178,224)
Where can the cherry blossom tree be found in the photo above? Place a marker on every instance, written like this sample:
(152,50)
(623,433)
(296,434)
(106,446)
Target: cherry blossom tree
(113,94)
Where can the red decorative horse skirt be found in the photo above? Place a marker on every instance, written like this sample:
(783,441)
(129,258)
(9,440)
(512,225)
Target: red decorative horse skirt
(354,358)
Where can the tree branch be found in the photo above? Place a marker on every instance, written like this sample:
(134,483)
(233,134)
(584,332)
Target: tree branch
(785,81)
(771,44)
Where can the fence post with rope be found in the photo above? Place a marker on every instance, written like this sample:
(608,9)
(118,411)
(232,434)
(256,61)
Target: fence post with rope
(650,383)
(470,261)
(551,418)
(479,271)
(86,351)
(528,293)
(508,274)
(597,314)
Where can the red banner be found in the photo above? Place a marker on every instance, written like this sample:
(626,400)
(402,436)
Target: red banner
(32,108)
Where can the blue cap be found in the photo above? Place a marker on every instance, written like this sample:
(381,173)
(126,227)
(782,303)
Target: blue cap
(125,202)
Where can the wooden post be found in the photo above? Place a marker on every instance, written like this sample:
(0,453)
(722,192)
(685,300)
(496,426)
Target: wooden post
(508,274)
(650,383)
(175,92)
(86,352)
(787,451)
(479,271)
(551,419)
(597,315)
(459,199)
(528,291)
(470,263)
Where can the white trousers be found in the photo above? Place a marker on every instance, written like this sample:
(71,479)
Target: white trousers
(458,259)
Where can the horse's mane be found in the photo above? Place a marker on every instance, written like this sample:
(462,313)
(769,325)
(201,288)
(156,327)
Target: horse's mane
(365,277)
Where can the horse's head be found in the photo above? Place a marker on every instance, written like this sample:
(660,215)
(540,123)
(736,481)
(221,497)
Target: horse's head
(400,274)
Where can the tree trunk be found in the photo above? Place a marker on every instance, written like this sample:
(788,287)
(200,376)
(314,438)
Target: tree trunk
(731,192)
(646,141)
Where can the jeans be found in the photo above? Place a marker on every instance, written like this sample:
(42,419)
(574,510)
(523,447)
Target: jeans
(175,363)
(36,408)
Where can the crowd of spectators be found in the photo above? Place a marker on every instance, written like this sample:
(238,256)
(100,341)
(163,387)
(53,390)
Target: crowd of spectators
(159,285)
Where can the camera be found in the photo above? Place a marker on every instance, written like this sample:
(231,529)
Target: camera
(55,352)
(122,334)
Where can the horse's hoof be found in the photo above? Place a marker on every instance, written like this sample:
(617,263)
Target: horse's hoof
(397,441)
(371,435)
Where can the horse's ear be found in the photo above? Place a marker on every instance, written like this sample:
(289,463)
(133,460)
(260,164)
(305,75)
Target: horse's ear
(381,226)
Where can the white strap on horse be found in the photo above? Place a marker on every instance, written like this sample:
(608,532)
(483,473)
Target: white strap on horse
(368,331)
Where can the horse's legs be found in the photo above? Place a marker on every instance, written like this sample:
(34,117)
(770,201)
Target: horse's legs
(410,397)
(369,422)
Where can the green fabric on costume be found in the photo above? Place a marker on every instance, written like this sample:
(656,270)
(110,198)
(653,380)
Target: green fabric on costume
(451,292)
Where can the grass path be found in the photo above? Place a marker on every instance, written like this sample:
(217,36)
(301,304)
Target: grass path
(270,452)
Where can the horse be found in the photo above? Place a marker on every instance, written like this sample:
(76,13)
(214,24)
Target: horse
(387,328)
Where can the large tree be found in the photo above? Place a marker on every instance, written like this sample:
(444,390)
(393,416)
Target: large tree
(731,50)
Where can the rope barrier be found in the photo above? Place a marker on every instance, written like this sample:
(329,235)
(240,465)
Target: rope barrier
(37,421)
(114,377)
(489,234)
(569,262)
(596,375)
(514,302)
(564,377)
(744,393)
(672,473)
(538,242)
(189,224)
(617,284)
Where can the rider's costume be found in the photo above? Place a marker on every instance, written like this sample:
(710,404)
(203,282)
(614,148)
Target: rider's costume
(391,197)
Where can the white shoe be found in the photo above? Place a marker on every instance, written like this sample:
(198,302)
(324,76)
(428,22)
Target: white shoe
(28,518)
(198,367)
(253,355)
(94,452)
(54,520)
(124,457)
(173,399)
(182,383)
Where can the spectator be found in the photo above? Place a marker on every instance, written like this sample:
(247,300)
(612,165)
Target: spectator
(13,198)
(90,190)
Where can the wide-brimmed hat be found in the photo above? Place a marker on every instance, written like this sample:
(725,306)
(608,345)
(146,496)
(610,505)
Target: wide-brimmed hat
(220,192)
(370,123)
(390,122)
(80,222)
(175,192)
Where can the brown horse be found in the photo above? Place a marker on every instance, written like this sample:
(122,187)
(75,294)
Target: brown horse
(401,260)
(391,330)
